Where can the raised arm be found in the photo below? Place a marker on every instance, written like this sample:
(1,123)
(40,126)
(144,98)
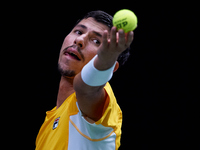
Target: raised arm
(91,98)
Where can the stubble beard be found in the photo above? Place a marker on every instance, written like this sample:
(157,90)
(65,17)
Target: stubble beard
(66,73)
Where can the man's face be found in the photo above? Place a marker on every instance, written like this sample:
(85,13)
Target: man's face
(80,46)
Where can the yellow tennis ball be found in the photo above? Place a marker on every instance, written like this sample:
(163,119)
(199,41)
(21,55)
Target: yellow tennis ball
(125,19)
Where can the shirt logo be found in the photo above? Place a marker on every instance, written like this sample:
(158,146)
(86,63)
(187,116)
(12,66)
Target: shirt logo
(55,124)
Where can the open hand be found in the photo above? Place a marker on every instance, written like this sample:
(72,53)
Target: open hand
(113,46)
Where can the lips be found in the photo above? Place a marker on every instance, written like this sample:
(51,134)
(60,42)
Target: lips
(73,53)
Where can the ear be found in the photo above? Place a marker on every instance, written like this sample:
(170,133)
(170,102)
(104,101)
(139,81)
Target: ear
(116,66)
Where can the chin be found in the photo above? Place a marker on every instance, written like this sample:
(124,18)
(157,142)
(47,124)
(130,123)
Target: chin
(65,71)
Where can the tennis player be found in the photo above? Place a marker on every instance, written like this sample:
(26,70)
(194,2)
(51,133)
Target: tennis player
(87,116)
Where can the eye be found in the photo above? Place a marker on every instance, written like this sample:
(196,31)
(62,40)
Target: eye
(96,41)
(78,32)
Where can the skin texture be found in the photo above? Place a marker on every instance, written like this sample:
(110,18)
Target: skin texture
(87,39)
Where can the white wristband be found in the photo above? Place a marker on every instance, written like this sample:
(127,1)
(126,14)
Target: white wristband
(93,77)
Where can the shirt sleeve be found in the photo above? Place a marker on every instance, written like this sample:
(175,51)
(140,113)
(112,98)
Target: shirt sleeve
(112,116)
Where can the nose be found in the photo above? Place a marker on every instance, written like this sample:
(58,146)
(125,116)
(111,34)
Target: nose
(80,41)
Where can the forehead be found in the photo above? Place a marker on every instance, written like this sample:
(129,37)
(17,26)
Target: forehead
(92,25)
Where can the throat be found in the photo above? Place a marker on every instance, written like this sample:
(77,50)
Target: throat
(64,91)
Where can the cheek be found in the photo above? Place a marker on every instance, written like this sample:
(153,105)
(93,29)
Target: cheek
(68,41)
(89,53)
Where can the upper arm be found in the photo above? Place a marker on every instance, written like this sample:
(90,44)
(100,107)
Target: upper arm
(90,99)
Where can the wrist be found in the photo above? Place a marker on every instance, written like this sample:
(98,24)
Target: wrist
(92,76)
(103,63)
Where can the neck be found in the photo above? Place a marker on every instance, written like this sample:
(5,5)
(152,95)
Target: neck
(65,90)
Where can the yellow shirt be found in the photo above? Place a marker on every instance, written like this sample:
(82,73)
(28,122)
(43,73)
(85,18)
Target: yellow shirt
(66,129)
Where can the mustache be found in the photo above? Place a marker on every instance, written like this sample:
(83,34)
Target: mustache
(78,50)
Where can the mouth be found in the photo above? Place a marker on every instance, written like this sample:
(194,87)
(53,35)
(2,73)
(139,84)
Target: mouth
(72,53)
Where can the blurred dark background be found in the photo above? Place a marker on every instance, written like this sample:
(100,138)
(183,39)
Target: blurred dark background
(157,89)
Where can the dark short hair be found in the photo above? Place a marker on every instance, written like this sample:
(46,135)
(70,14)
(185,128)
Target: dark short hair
(106,19)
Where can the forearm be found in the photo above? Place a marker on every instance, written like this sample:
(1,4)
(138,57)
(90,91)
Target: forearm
(89,88)
(90,99)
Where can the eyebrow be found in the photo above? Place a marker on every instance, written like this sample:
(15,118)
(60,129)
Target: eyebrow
(95,32)
(82,26)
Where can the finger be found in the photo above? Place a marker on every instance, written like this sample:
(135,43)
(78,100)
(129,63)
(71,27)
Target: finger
(129,38)
(105,38)
(117,34)
(113,35)
(121,40)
